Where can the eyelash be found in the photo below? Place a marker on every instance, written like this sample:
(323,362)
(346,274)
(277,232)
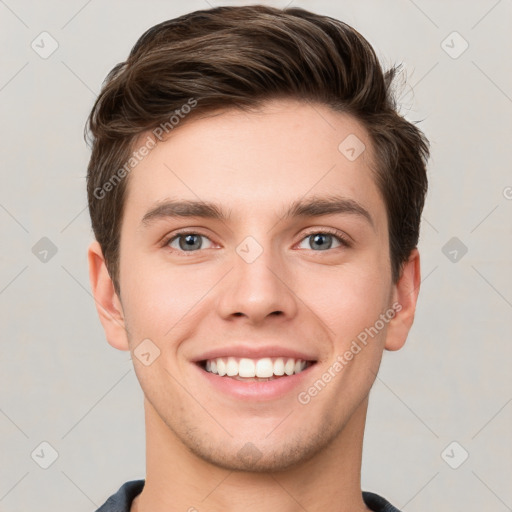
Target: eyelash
(340,236)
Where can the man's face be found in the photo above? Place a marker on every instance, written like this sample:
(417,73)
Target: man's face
(258,283)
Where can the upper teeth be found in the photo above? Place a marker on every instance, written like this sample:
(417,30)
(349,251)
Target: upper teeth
(263,368)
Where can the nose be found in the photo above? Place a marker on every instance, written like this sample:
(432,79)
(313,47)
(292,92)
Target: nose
(258,289)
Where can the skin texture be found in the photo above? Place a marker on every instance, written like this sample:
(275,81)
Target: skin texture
(294,295)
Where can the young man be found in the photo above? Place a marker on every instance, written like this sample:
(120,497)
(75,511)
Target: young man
(256,201)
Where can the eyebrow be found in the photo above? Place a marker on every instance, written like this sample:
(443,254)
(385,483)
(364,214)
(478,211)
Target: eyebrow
(183,208)
(310,207)
(318,206)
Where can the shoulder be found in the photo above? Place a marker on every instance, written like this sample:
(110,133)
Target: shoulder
(123,498)
(378,503)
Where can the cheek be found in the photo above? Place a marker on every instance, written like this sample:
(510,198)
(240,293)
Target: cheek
(160,295)
(349,300)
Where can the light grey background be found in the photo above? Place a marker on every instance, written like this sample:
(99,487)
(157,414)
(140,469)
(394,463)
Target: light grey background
(60,381)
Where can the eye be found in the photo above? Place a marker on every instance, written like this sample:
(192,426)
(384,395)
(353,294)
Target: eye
(188,242)
(324,240)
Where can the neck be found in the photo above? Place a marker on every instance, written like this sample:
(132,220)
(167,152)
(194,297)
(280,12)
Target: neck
(177,479)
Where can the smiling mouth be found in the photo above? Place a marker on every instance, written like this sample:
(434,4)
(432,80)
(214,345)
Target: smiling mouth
(260,370)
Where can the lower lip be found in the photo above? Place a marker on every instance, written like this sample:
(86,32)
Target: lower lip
(254,390)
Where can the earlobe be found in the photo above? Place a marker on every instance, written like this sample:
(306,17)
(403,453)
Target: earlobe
(405,295)
(108,305)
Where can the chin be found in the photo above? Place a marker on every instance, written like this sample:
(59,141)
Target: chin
(261,455)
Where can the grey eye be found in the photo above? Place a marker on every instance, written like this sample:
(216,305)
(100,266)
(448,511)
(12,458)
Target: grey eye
(320,241)
(188,242)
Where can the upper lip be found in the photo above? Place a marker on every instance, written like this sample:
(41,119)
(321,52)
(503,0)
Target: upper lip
(254,352)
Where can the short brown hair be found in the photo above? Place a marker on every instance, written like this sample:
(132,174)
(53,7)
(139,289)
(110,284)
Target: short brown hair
(239,57)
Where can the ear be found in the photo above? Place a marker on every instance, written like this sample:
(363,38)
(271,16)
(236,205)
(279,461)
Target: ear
(108,304)
(404,297)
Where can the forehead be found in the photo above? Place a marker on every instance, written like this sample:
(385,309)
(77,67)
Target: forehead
(258,161)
